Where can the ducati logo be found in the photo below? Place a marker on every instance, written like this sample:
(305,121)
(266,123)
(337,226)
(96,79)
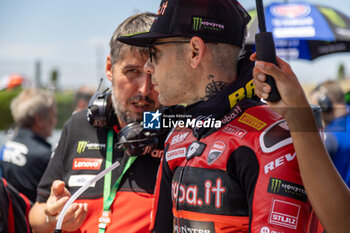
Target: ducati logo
(215,151)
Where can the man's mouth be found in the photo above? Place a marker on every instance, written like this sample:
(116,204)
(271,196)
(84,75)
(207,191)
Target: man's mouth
(141,107)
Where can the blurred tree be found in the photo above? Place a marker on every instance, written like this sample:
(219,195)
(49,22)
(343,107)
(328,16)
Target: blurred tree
(341,72)
(54,79)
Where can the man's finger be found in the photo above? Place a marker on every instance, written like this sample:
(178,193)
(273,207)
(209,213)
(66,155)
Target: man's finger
(58,188)
(53,208)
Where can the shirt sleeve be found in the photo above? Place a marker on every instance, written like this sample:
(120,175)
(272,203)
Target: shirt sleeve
(162,217)
(54,170)
(331,144)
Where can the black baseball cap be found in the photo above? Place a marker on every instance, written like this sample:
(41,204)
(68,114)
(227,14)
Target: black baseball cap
(213,20)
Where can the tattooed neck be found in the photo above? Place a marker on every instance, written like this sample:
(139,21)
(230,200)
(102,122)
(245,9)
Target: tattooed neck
(213,87)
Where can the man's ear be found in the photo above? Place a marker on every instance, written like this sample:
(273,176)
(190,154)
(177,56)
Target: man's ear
(198,47)
(109,66)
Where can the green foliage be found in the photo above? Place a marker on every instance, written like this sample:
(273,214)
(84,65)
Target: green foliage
(65,104)
(54,78)
(341,72)
(6,120)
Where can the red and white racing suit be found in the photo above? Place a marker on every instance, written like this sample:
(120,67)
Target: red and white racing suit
(242,177)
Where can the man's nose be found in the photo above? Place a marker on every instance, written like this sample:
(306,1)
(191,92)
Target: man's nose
(148,67)
(145,86)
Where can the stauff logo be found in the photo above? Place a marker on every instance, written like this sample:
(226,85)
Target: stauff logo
(151,120)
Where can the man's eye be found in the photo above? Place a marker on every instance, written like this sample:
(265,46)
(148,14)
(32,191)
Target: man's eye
(132,73)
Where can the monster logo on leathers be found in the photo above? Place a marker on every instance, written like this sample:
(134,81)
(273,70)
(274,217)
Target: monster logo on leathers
(275,185)
(81,146)
(197,23)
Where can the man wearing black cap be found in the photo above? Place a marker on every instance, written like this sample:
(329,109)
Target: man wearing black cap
(239,174)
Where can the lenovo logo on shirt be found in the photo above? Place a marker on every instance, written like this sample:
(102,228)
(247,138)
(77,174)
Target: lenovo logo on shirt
(87,164)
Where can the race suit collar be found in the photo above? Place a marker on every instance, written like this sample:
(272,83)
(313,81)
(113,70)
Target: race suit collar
(239,95)
(221,103)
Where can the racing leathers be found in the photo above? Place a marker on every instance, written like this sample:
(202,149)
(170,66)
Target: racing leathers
(80,155)
(241,175)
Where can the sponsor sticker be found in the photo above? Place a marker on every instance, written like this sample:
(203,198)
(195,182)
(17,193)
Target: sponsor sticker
(235,112)
(215,151)
(280,161)
(195,149)
(287,189)
(200,24)
(81,146)
(80,180)
(252,121)
(284,214)
(87,164)
(267,230)
(174,154)
(293,10)
(235,131)
(192,226)
(179,138)
(85,145)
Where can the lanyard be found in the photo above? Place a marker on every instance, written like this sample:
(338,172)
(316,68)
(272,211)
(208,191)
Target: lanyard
(108,194)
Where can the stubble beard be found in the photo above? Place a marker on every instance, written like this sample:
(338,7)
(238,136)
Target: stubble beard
(121,112)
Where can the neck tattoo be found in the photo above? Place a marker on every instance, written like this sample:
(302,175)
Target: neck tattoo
(213,87)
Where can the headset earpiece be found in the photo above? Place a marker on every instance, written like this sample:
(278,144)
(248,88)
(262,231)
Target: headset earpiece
(325,103)
(100,109)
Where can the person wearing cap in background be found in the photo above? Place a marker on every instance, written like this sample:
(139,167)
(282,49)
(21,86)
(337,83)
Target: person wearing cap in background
(330,96)
(241,173)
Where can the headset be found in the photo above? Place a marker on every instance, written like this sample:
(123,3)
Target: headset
(325,103)
(100,109)
(136,140)
(323,100)
(133,138)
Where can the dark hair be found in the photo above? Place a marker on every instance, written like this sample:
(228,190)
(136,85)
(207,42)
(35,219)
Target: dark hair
(136,23)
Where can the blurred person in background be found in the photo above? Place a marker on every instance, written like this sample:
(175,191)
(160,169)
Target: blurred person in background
(331,98)
(82,97)
(23,159)
(122,202)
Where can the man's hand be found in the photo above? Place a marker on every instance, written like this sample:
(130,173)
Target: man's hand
(59,196)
